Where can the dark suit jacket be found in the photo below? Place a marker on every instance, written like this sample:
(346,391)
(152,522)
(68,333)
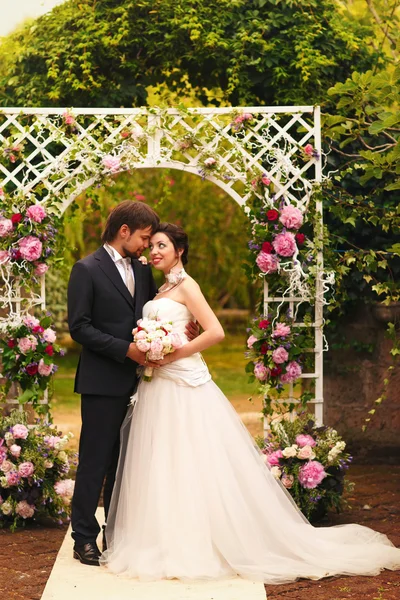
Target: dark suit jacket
(101,316)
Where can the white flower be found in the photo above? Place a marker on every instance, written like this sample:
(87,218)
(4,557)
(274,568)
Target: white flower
(340,446)
(276,472)
(61,443)
(48,464)
(9,438)
(62,456)
(3,483)
(6,508)
(290,451)
(209,161)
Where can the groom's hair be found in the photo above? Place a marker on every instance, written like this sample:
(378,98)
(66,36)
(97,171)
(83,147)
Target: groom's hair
(137,215)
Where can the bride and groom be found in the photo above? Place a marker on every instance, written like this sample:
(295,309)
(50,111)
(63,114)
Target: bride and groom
(186,493)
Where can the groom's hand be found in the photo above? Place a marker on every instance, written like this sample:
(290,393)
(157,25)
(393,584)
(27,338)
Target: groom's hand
(140,357)
(192,330)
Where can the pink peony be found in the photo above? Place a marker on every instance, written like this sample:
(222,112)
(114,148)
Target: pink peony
(305,440)
(3,454)
(31,322)
(26,344)
(6,466)
(280,355)
(260,371)
(285,244)
(26,469)
(15,450)
(44,370)
(176,341)
(65,488)
(311,474)
(287,481)
(4,257)
(19,431)
(13,477)
(6,226)
(41,269)
(51,440)
(68,119)
(273,458)
(49,336)
(140,335)
(265,180)
(291,217)
(267,263)
(30,248)
(143,345)
(281,330)
(25,510)
(251,341)
(156,349)
(306,453)
(112,163)
(36,213)
(308,149)
(293,372)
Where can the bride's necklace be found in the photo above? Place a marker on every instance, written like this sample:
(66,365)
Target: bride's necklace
(173,278)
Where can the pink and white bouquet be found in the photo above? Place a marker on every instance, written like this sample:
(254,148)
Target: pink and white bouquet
(157,338)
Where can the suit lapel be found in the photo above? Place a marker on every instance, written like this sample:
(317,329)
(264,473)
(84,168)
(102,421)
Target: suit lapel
(108,267)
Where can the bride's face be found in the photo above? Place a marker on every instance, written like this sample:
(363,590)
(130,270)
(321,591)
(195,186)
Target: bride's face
(162,252)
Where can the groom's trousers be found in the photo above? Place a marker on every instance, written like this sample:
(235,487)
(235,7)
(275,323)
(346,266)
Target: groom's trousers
(102,417)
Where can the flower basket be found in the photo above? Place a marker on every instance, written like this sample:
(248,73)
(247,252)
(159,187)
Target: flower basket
(310,462)
(34,468)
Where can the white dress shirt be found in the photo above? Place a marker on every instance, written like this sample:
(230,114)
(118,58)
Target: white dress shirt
(119,261)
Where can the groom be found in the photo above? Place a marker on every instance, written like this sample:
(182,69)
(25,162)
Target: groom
(106,294)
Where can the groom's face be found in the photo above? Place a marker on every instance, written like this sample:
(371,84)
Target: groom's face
(134,244)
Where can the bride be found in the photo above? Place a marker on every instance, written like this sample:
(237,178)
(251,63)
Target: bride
(193,497)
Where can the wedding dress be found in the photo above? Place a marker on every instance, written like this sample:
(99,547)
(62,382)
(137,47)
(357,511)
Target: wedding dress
(194,499)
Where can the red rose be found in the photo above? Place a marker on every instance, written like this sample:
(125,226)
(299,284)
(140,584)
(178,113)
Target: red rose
(11,344)
(300,237)
(38,329)
(272,215)
(32,369)
(267,247)
(264,348)
(276,371)
(16,218)
(49,350)
(264,324)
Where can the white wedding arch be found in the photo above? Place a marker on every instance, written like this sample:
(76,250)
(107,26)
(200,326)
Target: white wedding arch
(58,153)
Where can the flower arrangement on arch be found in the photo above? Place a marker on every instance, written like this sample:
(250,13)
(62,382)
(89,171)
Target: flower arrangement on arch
(29,237)
(309,461)
(13,151)
(208,166)
(34,469)
(240,120)
(28,349)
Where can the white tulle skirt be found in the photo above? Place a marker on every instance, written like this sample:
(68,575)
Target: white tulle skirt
(194,500)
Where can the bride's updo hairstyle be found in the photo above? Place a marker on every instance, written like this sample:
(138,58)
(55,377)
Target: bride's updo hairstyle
(178,238)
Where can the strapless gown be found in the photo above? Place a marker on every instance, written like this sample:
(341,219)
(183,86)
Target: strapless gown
(194,499)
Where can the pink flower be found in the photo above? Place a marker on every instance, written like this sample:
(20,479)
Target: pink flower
(305,453)
(25,510)
(285,244)
(13,478)
(36,213)
(267,263)
(280,355)
(6,466)
(15,450)
(19,431)
(281,330)
(27,344)
(273,458)
(238,119)
(287,481)
(309,149)
(311,474)
(51,440)
(44,370)
(112,163)
(140,335)
(30,248)
(68,119)
(209,162)
(260,371)
(143,345)
(293,372)
(156,349)
(49,335)
(251,341)
(4,257)
(265,180)
(31,322)
(65,488)
(291,217)
(6,226)
(305,440)
(41,269)
(26,469)
(176,341)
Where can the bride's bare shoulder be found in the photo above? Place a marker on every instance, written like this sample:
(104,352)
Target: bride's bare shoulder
(190,285)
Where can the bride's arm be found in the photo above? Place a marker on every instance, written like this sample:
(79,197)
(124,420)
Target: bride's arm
(213,333)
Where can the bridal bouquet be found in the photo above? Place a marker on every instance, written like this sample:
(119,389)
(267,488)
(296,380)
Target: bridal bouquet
(156,338)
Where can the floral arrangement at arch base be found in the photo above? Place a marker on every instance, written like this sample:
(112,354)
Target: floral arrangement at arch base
(28,348)
(310,462)
(34,469)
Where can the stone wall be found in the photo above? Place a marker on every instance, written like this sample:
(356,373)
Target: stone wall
(353,380)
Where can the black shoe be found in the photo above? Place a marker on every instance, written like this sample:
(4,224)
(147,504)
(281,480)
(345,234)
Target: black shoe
(88,554)
(104,542)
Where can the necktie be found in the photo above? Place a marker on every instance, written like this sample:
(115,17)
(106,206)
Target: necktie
(130,284)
